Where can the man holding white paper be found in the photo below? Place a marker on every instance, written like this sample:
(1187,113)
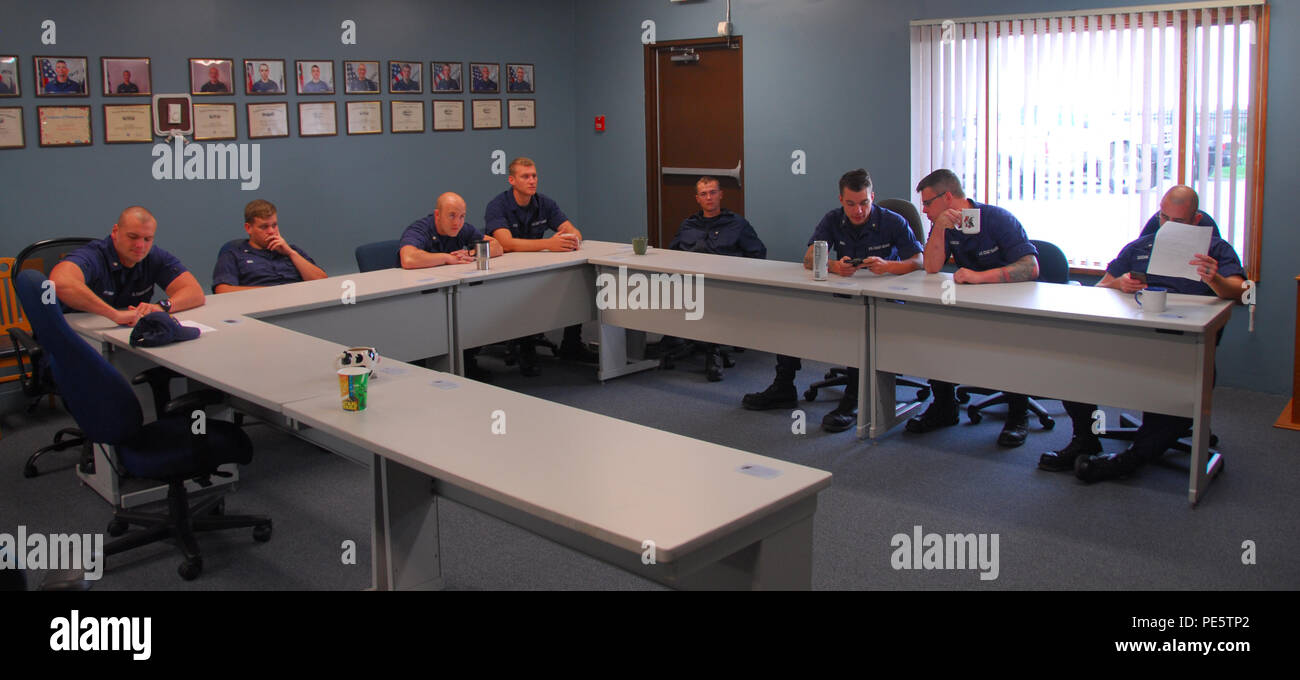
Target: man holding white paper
(1218,272)
(989,245)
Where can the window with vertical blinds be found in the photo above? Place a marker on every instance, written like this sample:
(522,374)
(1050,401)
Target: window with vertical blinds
(1078,123)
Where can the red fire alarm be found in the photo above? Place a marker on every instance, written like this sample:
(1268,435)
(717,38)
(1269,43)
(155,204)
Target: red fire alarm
(600,123)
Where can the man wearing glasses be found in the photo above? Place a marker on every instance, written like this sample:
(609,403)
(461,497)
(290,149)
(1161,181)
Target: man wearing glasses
(995,250)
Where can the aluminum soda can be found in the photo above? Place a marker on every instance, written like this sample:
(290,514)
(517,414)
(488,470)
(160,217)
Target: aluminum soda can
(821,253)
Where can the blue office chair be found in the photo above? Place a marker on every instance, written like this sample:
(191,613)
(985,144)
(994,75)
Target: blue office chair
(378,255)
(108,413)
(1053,267)
(33,375)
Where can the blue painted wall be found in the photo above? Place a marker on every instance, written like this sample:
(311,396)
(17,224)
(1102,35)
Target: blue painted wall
(332,192)
(831,77)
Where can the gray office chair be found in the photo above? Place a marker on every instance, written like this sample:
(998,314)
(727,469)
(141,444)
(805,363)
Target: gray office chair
(837,377)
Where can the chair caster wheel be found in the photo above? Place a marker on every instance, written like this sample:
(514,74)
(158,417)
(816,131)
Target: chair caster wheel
(30,471)
(829,375)
(923,394)
(262,533)
(1046,422)
(963,397)
(190,569)
(117,527)
(974,416)
(810,395)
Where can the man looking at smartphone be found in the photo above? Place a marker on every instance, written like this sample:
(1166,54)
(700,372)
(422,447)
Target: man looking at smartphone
(863,236)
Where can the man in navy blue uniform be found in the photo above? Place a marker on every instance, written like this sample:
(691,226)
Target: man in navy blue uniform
(126,86)
(1198,217)
(1220,274)
(999,253)
(361,83)
(264,258)
(62,84)
(444,238)
(716,230)
(519,218)
(885,245)
(115,277)
(264,84)
(445,82)
(214,83)
(404,82)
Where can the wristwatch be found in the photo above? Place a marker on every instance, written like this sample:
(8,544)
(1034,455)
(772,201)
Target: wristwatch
(166,306)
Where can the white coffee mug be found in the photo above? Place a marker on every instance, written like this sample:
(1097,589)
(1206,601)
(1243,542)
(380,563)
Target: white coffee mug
(970,221)
(1155,302)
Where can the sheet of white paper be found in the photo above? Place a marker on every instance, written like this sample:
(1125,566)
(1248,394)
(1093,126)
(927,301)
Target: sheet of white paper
(202,327)
(1175,245)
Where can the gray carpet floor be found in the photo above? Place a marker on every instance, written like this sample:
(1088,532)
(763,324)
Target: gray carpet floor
(1053,531)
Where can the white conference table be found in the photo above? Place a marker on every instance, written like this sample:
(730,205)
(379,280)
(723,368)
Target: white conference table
(1081,343)
(717,517)
(759,304)
(726,530)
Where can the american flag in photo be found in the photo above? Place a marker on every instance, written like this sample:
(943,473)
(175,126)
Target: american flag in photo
(351,72)
(47,72)
(395,70)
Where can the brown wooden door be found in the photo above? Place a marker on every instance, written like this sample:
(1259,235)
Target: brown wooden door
(694,120)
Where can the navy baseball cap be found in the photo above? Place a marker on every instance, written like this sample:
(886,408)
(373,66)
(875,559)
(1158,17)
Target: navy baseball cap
(159,328)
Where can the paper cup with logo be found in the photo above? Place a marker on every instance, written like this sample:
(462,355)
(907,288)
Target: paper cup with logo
(638,245)
(353,386)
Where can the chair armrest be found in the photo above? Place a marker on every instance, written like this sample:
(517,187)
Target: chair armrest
(186,404)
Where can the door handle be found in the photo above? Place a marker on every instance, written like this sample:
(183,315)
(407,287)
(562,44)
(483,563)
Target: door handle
(734,173)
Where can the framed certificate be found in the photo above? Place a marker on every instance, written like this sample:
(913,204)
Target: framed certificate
(317,119)
(63,125)
(487,114)
(128,123)
(406,116)
(214,121)
(365,118)
(268,120)
(448,115)
(523,113)
(11,127)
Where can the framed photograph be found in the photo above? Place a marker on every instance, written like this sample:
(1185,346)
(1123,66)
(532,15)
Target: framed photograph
(365,118)
(214,122)
(126,76)
(63,125)
(484,78)
(315,77)
(9,76)
(487,114)
(519,78)
(448,115)
(523,113)
(128,123)
(11,127)
(317,119)
(268,120)
(211,76)
(405,77)
(361,77)
(60,76)
(446,76)
(263,76)
(406,116)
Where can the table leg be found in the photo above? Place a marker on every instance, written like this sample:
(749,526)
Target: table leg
(405,550)
(1204,466)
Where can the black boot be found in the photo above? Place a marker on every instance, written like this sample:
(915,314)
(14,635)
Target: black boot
(780,394)
(843,417)
(713,365)
(1060,461)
